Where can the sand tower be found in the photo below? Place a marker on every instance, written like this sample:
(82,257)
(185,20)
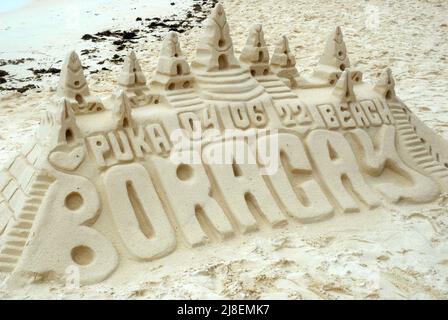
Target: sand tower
(122,111)
(332,63)
(385,85)
(344,87)
(215,49)
(283,63)
(74,87)
(218,72)
(255,53)
(335,52)
(133,81)
(172,77)
(255,56)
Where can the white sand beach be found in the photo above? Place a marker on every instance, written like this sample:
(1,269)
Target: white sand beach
(387,253)
(42,30)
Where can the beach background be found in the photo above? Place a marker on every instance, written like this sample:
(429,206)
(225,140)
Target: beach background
(393,252)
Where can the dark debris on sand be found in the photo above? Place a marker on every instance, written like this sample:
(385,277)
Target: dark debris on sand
(122,39)
(19,89)
(3,74)
(45,71)
(15,61)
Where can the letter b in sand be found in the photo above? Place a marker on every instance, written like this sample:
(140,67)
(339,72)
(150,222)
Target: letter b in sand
(138,213)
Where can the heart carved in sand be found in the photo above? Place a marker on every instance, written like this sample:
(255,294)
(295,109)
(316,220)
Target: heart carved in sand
(67,160)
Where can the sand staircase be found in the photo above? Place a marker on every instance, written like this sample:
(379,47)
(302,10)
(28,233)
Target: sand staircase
(415,145)
(19,230)
(183,98)
(276,88)
(23,189)
(229,85)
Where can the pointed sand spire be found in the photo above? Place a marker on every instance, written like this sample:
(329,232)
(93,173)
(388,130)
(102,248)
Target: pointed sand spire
(344,87)
(74,88)
(385,85)
(172,62)
(283,63)
(171,46)
(335,52)
(132,75)
(332,63)
(72,82)
(66,119)
(122,111)
(133,81)
(215,49)
(255,53)
(173,70)
(59,126)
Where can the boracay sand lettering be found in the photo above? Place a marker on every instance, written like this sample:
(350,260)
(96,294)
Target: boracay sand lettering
(99,183)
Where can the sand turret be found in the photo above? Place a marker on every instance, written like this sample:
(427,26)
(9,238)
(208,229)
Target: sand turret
(72,81)
(132,79)
(219,74)
(122,111)
(344,87)
(335,52)
(74,87)
(173,70)
(283,63)
(332,63)
(59,126)
(385,85)
(255,54)
(215,49)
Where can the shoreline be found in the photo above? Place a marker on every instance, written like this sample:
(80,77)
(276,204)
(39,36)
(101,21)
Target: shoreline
(102,46)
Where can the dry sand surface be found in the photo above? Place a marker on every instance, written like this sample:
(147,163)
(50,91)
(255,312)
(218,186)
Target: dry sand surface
(393,252)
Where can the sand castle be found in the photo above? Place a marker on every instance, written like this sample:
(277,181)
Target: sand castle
(98,186)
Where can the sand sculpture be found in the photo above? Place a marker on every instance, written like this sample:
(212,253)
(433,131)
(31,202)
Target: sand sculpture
(97,185)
